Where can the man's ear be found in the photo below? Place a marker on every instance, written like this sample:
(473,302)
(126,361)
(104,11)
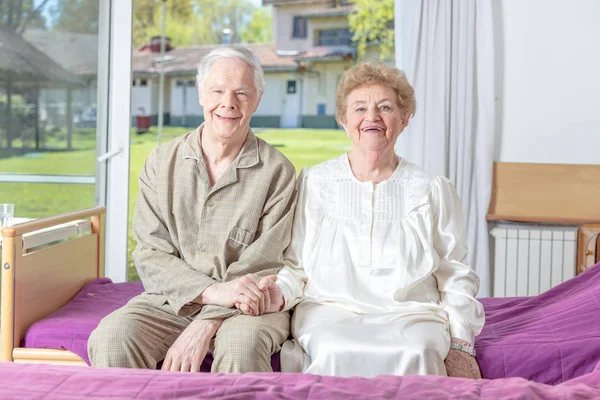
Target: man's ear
(200,99)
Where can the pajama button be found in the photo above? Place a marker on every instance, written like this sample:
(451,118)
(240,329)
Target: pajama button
(211,203)
(202,250)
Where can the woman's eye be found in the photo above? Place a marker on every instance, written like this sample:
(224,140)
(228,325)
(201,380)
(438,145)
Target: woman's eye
(385,108)
(360,109)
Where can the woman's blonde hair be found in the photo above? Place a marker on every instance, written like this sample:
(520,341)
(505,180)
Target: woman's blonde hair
(370,73)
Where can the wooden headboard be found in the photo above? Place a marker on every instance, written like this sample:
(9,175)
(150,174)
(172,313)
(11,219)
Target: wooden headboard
(546,193)
(38,282)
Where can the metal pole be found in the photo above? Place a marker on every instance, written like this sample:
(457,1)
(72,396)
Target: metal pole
(161,76)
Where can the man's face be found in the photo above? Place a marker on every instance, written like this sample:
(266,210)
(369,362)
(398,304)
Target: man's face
(229,98)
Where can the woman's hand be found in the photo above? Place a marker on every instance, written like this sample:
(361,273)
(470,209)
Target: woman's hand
(272,300)
(462,365)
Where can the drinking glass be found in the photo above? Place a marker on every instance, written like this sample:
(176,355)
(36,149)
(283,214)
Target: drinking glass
(7,212)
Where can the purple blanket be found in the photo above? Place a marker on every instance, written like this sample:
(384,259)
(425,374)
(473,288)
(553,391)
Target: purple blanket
(550,338)
(29,381)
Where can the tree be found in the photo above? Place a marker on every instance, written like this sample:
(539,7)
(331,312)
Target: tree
(147,19)
(20,14)
(258,29)
(372,22)
(221,14)
(76,16)
(191,22)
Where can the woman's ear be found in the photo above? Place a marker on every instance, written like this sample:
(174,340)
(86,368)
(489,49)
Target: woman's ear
(340,122)
(405,120)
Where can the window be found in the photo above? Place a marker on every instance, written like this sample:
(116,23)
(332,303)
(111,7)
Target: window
(143,82)
(334,37)
(321,109)
(291,87)
(299,29)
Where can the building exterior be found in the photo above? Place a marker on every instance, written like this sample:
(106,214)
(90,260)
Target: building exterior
(310,50)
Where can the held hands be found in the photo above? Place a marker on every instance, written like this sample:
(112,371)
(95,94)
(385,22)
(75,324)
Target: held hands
(272,298)
(251,295)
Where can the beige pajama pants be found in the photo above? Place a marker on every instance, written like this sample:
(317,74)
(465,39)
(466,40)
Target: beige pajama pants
(139,335)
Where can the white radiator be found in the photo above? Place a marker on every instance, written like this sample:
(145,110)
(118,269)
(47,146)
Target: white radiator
(530,259)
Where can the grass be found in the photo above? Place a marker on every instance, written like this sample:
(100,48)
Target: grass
(304,147)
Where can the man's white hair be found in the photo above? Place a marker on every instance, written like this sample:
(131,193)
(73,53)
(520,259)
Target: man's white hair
(238,52)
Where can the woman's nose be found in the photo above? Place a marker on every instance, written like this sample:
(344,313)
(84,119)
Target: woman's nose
(372,114)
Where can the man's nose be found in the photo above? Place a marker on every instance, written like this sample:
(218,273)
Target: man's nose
(229,100)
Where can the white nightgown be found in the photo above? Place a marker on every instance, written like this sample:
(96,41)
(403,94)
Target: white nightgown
(379,273)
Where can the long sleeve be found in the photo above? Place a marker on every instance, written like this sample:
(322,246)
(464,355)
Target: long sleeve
(457,282)
(264,256)
(157,258)
(292,278)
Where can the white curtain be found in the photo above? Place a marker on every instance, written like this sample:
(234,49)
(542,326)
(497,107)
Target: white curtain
(446,49)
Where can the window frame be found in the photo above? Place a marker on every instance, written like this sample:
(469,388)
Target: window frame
(299,33)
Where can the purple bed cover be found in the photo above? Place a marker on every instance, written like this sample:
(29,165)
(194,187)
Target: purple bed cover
(550,338)
(27,381)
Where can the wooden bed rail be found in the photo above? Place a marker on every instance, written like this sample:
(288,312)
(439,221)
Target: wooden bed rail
(43,223)
(39,282)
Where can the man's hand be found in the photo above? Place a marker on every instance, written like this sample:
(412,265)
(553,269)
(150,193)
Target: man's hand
(461,365)
(243,291)
(275,301)
(189,350)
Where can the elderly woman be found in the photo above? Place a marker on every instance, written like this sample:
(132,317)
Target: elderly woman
(377,258)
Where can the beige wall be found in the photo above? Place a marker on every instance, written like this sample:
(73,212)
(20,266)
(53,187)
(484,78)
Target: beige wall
(320,86)
(271,102)
(548,85)
(283,25)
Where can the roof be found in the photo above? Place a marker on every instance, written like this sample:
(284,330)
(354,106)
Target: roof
(76,52)
(282,2)
(184,60)
(328,54)
(28,63)
(321,12)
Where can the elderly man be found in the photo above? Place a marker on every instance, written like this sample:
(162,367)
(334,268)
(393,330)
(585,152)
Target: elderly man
(213,216)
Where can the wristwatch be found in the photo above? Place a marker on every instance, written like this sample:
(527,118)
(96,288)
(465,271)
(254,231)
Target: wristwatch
(467,349)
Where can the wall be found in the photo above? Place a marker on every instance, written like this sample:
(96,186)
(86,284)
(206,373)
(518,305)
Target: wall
(321,85)
(140,97)
(548,85)
(283,25)
(192,106)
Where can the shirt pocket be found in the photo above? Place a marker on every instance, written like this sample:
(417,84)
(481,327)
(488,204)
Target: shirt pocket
(239,236)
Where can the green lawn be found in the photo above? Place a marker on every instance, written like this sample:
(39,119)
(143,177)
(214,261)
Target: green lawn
(304,147)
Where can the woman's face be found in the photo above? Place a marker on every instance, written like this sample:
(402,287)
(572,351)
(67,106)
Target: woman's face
(373,118)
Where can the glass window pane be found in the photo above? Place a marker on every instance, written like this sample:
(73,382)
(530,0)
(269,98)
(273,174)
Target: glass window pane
(48,90)
(38,200)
